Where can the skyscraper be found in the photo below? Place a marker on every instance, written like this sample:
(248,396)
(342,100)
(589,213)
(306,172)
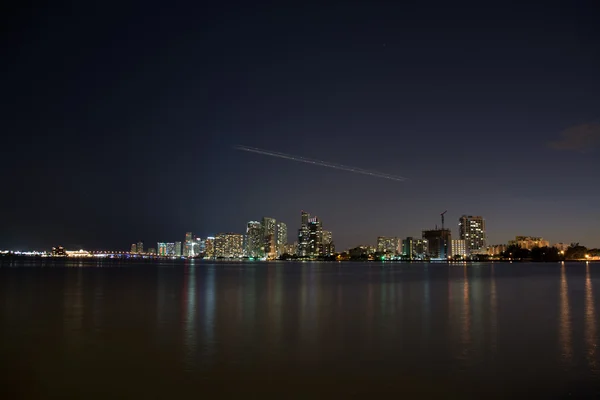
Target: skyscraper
(140,247)
(327,246)
(171,249)
(281,238)
(254,240)
(303,235)
(209,247)
(229,245)
(188,245)
(315,237)
(161,247)
(133,249)
(178,249)
(472,231)
(269,238)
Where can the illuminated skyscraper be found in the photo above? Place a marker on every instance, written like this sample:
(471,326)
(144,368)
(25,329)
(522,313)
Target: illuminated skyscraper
(303,235)
(327,246)
(281,238)
(188,245)
(162,248)
(229,245)
(254,240)
(315,236)
(472,231)
(171,249)
(133,249)
(178,249)
(209,247)
(140,247)
(269,226)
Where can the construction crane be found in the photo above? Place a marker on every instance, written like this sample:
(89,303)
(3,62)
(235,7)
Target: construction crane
(442,215)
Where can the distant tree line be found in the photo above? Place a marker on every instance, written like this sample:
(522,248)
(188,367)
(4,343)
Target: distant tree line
(574,252)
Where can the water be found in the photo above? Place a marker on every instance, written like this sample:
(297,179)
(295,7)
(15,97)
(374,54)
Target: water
(298,330)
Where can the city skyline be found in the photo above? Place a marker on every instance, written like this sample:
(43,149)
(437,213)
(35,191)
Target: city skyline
(114,134)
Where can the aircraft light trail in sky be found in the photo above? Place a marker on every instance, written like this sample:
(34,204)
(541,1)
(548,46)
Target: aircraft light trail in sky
(320,163)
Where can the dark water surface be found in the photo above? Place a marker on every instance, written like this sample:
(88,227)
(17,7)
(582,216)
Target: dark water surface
(298,330)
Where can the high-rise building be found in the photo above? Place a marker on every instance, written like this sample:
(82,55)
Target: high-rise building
(254,240)
(209,247)
(440,243)
(178,249)
(133,248)
(269,227)
(315,237)
(472,231)
(389,245)
(327,245)
(188,245)
(171,249)
(162,248)
(281,238)
(140,247)
(303,235)
(229,245)
(199,246)
(408,248)
(459,248)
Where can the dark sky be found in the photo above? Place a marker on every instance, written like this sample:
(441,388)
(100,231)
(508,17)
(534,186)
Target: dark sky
(119,120)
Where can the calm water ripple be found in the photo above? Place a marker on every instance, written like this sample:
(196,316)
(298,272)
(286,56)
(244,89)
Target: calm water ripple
(298,330)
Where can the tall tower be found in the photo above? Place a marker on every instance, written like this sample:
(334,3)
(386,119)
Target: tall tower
(254,240)
(303,235)
(269,226)
(472,231)
(281,238)
(140,247)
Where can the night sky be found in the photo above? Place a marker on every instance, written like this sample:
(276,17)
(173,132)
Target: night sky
(119,120)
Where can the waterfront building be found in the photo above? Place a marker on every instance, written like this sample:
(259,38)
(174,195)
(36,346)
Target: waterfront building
(390,246)
(472,231)
(209,247)
(140,247)
(178,249)
(291,248)
(229,245)
(188,245)
(269,227)
(151,250)
(254,240)
(281,238)
(171,249)
(529,242)
(162,248)
(59,251)
(439,243)
(315,236)
(327,245)
(303,235)
(408,248)
(459,249)
(133,249)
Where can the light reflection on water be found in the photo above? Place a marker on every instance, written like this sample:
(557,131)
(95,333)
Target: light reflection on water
(349,328)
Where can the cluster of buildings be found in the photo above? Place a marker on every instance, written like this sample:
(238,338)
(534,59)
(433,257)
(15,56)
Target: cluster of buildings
(266,239)
(436,244)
